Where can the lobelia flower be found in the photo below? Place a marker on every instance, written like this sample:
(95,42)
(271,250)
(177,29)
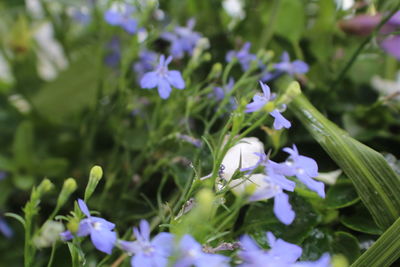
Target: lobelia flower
(122,17)
(191,254)
(183,39)
(220,92)
(5,229)
(113,58)
(243,56)
(162,78)
(248,155)
(147,61)
(146,252)
(259,101)
(100,230)
(304,168)
(281,253)
(291,68)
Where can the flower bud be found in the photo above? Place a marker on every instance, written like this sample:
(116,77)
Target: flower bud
(73,225)
(95,176)
(216,71)
(241,155)
(68,188)
(45,186)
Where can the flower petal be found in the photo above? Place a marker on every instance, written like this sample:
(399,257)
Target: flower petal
(103,240)
(282,209)
(83,207)
(113,18)
(164,89)
(392,46)
(174,77)
(149,80)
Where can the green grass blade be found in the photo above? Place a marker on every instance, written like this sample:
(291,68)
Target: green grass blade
(376,183)
(384,251)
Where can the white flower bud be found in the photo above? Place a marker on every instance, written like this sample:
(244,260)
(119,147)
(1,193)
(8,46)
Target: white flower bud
(241,155)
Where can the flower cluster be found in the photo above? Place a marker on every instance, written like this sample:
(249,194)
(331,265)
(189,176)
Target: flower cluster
(272,181)
(165,248)
(183,39)
(281,253)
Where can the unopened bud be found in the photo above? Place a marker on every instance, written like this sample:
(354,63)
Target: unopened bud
(45,186)
(68,188)
(205,199)
(73,225)
(94,178)
(216,71)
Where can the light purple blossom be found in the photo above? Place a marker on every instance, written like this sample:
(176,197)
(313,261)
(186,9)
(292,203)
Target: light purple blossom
(100,230)
(122,18)
(191,254)
(281,253)
(391,45)
(147,61)
(259,101)
(291,68)
(243,56)
(162,78)
(190,139)
(304,168)
(113,56)
(148,252)
(5,229)
(183,39)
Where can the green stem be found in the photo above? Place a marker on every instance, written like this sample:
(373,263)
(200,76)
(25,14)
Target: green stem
(53,250)
(361,47)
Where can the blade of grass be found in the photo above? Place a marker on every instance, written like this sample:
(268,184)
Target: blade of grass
(376,183)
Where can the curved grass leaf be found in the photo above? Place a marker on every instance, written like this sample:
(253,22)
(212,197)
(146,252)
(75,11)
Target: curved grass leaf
(384,251)
(375,181)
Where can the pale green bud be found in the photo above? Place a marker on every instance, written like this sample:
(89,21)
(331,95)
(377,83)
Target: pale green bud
(68,188)
(94,178)
(45,186)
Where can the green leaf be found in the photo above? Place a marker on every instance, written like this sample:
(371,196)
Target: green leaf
(15,216)
(341,195)
(260,219)
(358,219)
(23,146)
(375,181)
(290,20)
(346,244)
(384,251)
(72,91)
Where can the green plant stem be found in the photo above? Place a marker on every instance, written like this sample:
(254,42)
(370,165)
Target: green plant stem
(53,252)
(360,48)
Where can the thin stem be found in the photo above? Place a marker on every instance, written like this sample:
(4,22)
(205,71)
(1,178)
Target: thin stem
(360,48)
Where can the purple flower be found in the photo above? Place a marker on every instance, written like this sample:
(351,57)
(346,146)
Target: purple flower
(280,121)
(364,25)
(148,252)
(391,45)
(220,92)
(113,58)
(191,254)
(243,56)
(259,101)
(183,39)
(282,254)
(99,229)
(122,18)
(190,139)
(5,229)
(162,78)
(291,68)
(304,168)
(147,61)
